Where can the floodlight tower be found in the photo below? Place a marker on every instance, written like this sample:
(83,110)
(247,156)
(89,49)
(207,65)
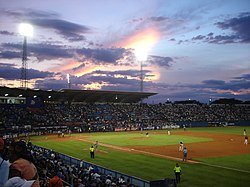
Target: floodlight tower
(68,79)
(141,56)
(25,30)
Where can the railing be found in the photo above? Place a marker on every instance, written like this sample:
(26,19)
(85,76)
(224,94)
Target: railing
(74,161)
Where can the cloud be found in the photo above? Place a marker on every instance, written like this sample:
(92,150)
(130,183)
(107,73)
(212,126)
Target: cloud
(199,37)
(124,73)
(10,54)
(159,18)
(70,31)
(47,51)
(41,51)
(214,82)
(238,26)
(50,20)
(233,84)
(243,77)
(7,33)
(160,61)
(10,72)
(102,56)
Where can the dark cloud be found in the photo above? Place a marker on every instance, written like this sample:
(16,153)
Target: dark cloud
(47,51)
(243,77)
(10,54)
(70,31)
(10,72)
(27,13)
(234,84)
(79,67)
(50,20)
(213,82)
(41,51)
(239,26)
(199,37)
(99,56)
(7,33)
(159,18)
(160,61)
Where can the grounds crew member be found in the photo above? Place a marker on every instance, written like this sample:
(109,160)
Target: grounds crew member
(177,172)
(92,152)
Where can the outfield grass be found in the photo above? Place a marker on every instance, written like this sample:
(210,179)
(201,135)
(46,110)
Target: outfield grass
(134,139)
(153,168)
(223,130)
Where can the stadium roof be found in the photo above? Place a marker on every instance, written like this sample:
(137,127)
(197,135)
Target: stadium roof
(87,96)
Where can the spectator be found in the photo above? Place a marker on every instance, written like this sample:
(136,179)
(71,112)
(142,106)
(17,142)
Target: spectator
(77,183)
(18,182)
(55,181)
(4,165)
(21,165)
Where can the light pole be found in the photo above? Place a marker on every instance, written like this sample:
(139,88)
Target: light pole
(68,80)
(25,30)
(141,56)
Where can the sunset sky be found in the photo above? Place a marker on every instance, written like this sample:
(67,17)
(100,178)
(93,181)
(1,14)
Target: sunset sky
(190,49)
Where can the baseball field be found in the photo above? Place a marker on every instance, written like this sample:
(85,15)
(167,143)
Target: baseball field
(217,156)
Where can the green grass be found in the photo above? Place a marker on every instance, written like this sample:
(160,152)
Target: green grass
(241,162)
(153,168)
(133,139)
(222,130)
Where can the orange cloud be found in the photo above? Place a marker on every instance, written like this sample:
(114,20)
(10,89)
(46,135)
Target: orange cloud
(141,41)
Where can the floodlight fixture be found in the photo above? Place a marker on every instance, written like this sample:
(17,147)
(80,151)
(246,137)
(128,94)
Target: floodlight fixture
(26,29)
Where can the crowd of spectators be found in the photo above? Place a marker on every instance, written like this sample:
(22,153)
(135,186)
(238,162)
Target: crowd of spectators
(111,117)
(37,167)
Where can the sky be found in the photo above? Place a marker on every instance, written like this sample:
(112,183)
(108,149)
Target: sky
(188,49)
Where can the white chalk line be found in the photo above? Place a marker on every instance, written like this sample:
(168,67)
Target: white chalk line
(168,157)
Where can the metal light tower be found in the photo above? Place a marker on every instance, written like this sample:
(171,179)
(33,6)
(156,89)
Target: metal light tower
(25,30)
(141,77)
(68,80)
(24,65)
(141,56)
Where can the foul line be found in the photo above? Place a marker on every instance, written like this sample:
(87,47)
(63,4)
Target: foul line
(224,167)
(139,151)
(165,156)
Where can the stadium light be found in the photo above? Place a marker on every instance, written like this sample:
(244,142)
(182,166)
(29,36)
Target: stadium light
(26,29)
